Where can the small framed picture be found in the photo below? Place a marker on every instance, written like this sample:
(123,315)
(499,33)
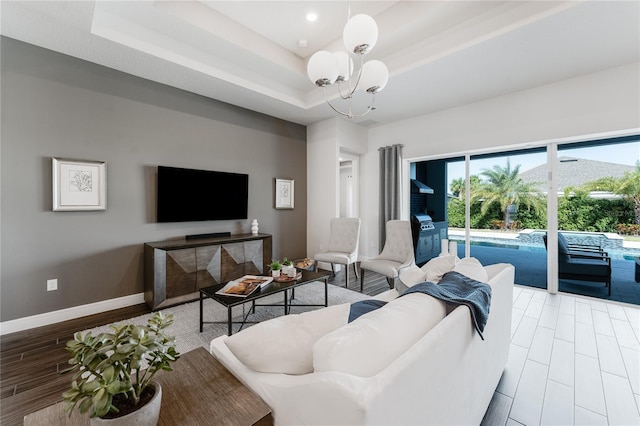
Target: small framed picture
(79,185)
(284,193)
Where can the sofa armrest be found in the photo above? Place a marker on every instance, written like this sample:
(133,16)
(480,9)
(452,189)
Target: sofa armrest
(495,269)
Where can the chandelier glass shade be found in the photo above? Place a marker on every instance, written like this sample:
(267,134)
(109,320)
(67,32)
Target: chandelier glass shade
(327,68)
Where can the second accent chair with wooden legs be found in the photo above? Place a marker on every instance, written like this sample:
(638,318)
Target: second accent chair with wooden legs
(396,254)
(343,245)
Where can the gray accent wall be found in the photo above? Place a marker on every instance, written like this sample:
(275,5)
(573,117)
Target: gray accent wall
(54,105)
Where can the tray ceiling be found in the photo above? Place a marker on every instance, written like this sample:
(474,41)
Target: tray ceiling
(440,54)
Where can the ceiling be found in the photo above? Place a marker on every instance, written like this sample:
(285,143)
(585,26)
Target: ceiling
(440,54)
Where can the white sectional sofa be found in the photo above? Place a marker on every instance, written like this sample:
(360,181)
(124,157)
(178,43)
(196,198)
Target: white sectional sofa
(395,365)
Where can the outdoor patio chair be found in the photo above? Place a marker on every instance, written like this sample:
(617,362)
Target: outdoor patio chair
(582,265)
(343,245)
(396,254)
(577,248)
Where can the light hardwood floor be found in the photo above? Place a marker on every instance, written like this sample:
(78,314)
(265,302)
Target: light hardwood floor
(573,361)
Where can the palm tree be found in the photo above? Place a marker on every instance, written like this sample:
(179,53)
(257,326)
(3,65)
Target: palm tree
(458,185)
(504,187)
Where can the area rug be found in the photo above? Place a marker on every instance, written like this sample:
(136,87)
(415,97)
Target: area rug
(187,316)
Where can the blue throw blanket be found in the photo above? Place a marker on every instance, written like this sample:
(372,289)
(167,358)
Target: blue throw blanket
(363,306)
(456,289)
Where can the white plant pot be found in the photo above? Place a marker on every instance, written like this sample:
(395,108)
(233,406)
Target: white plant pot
(275,274)
(147,415)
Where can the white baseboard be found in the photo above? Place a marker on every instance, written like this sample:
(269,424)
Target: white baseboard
(48,318)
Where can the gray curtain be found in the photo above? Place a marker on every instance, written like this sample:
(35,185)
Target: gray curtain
(390,195)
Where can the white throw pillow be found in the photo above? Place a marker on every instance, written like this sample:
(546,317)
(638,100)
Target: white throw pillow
(372,342)
(412,275)
(285,344)
(472,268)
(438,266)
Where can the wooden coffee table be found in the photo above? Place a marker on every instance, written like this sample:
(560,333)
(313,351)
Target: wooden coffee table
(287,288)
(199,391)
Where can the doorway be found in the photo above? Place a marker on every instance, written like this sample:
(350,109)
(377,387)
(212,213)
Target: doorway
(348,181)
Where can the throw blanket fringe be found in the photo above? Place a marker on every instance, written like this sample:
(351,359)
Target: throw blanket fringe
(456,289)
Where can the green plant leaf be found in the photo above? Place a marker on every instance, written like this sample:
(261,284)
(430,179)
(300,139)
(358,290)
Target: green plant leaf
(117,387)
(85,404)
(126,348)
(89,387)
(109,374)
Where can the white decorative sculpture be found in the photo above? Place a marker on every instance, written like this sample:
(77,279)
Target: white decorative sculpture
(254,227)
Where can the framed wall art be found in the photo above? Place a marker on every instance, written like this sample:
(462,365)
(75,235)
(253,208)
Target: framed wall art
(79,185)
(284,193)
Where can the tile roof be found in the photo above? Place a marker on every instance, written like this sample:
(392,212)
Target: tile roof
(574,171)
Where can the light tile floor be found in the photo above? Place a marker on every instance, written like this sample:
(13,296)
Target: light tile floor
(573,361)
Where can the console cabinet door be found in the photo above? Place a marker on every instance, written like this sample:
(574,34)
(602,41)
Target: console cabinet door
(232,261)
(181,272)
(208,266)
(253,257)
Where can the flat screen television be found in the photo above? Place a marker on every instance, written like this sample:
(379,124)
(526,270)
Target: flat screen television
(186,195)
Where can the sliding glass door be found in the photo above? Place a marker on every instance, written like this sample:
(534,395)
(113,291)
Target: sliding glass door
(507,212)
(521,206)
(598,199)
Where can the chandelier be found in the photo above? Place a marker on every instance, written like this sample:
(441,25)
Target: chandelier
(324,68)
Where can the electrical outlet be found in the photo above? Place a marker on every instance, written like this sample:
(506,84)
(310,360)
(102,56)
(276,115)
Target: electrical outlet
(52,285)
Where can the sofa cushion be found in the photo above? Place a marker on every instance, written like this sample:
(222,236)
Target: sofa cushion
(285,344)
(438,266)
(372,342)
(472,268)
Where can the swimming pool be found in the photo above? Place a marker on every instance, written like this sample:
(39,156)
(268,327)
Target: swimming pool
(514,244)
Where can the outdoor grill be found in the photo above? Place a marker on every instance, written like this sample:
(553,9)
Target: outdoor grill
(426,238)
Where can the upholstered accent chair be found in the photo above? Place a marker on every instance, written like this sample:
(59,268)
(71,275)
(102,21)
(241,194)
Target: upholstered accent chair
(396,254)
(343,245)
(582,262)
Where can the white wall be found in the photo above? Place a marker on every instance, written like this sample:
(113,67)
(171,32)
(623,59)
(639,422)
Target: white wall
(588,106)
(325,141)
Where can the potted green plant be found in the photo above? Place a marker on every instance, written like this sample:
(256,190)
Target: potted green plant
(288,268)
(275,266)
(115,371)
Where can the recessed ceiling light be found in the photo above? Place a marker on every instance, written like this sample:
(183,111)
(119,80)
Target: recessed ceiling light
(312,17)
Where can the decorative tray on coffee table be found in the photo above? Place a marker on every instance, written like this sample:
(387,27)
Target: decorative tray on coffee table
(286,278)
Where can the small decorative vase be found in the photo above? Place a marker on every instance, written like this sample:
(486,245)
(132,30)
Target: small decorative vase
(275,274)
(254,227)
(292,272)
(147,415)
